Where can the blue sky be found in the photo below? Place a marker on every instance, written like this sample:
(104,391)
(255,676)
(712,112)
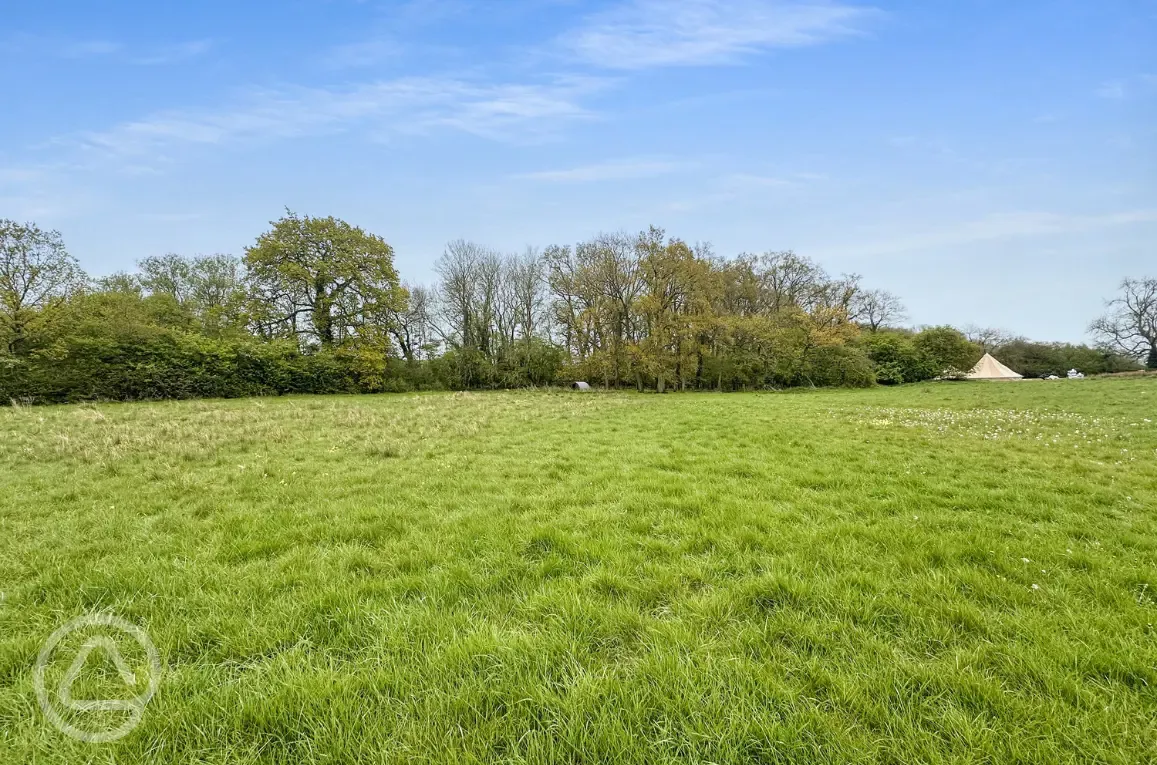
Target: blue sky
(991,162)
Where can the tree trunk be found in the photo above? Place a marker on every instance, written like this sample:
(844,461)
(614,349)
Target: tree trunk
(16,344)
(322,319)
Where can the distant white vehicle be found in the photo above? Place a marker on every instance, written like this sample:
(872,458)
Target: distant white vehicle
(1052,377)
(1075,375)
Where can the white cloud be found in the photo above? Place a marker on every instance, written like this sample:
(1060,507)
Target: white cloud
(996,227)
(359,54)
(742,181)
(1114,90)
(15,175)
(502,111)
(652,33)
(32,45)
(171,54)
(177,217)
(605,171)
(399,28)
(1128,87)
(52,47)
(741,188)
(86,48)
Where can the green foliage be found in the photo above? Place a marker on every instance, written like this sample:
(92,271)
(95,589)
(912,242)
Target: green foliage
(897,359)
(1041,359)
(169,364)
(318,280)
(210,288)
(121,346)
(838,364)
(36,276)
(646,311)
(948,350)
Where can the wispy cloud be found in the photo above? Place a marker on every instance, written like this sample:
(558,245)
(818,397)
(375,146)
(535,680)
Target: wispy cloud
(1137,86)
(17,175)
(175,53)
(52,47)
(87,48)
(998,227)
(740,181)
(605,171)
(360,54)
(36,191)
(511,111)
(399,29)
(641,34)
(743,187)
(170,217)
(1114,90)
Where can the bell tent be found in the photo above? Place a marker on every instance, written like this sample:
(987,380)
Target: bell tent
(989,368)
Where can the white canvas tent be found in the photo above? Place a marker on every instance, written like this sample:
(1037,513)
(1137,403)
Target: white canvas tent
(989,368)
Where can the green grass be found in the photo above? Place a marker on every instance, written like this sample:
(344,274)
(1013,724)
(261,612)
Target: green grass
(942,573)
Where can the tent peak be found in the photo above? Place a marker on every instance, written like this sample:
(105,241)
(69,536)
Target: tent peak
(988,368)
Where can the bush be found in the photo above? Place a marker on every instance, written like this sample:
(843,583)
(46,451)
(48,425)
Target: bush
(840,365)
(896,359)
(1042,359)
(948,350)
(174,364)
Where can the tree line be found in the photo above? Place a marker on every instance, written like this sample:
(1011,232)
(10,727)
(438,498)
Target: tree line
(315,305)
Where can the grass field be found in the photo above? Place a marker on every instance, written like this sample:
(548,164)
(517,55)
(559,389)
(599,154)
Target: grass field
(942,573)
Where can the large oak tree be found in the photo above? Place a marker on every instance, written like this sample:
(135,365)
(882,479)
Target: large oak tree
(322,281)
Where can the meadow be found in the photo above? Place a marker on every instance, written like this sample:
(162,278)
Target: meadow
(930,573)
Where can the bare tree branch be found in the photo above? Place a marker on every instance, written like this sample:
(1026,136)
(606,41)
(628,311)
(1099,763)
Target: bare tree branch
(1130,325)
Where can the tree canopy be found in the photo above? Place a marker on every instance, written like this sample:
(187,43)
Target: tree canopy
(316,305)
(36,275)
(1130,325)
(321,280)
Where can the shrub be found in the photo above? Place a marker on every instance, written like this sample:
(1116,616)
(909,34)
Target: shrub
(948,350)
(896,359)
(1040,359)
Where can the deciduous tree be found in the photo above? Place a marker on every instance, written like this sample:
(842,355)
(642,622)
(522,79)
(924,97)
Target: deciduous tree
(1130,326)
(948,349)
(988,338)
(321,281)
(876,309)
(211,288)
(36,275)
